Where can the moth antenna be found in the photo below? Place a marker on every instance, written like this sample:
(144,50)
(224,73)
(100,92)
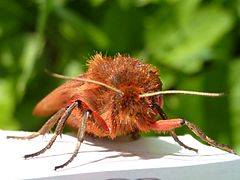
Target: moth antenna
(83,80)
(195,93)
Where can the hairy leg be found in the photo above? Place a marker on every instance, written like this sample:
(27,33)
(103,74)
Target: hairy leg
(171,124)
(45,128)
(172,132)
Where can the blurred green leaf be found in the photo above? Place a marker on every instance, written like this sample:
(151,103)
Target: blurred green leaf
(7,104)
(125,39)
(88,30)
(186,47)
(97,2)
(234,96)
(10,21)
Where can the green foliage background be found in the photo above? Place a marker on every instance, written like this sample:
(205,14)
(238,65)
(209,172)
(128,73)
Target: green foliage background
(194,43)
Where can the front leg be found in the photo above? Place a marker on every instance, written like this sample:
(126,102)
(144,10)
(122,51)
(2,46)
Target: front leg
(45,128)
(196,130)
(60,118)
(58,130)
(172,132)
(169,125)
(80,138)
(166,125)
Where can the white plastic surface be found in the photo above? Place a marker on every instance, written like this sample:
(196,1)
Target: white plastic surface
(159,158)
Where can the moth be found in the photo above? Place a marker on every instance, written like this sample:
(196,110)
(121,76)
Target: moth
(116,96)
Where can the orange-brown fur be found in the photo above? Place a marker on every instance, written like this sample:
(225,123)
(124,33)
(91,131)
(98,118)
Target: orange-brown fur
(110,99)
(123,114)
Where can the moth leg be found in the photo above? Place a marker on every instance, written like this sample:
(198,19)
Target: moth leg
(45,128)
(176,139)
(172,132)
(135,135)
(58,130)
(80,138)
(196,130)
(166,125)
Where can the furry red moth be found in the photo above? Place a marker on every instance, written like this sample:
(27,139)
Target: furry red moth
(117,96)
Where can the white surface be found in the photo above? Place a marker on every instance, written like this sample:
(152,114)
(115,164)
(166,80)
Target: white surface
(158,158)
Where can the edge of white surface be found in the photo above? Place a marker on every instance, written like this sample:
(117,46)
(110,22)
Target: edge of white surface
(146,157)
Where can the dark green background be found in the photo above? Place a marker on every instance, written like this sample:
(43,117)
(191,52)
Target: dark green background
(194,43)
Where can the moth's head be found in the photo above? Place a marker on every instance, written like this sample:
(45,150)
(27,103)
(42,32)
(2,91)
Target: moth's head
(137,92)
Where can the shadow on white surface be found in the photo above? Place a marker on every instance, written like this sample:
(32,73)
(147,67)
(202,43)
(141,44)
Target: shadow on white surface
(158,158)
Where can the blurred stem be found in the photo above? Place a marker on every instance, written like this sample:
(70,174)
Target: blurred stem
(33,47)
(44,8)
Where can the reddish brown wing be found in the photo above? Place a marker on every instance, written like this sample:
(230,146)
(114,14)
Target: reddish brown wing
(62,96)
(65,95)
